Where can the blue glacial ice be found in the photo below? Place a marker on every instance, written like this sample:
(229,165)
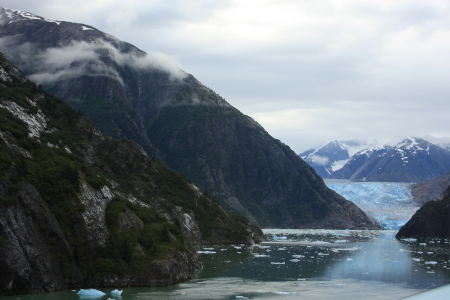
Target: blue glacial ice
(390,203)
(116,293)
(90,293)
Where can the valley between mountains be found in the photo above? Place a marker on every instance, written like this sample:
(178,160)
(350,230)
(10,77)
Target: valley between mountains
(115,165)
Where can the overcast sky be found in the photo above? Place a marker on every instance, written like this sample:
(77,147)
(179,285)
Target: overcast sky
(307,70)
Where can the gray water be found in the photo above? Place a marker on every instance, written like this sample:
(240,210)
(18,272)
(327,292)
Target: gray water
(308,264)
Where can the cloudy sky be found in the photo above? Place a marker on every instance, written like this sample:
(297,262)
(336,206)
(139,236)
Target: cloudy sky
(307,70)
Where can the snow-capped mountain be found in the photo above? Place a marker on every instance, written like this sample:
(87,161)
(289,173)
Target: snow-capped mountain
(325,157)
(331,156)
(411,160)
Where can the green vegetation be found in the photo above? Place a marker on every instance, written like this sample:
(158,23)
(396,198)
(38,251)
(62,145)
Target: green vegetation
(54,165)
(130,249)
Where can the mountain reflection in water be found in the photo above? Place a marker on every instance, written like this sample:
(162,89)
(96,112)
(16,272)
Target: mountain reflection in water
(309,264)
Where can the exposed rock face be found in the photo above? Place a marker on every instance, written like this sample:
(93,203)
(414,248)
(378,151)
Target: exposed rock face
(32,239)
(429,190)
(133,95)
(79,209)
(412,160)
(432,220)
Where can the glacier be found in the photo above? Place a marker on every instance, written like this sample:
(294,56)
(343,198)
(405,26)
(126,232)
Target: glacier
(389,203)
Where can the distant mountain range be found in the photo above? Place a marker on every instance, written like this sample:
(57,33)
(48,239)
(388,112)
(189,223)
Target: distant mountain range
(411,160)
(331,156)
(133,95)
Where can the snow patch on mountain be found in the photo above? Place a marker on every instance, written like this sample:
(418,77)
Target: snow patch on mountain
(17,15)
(390,203)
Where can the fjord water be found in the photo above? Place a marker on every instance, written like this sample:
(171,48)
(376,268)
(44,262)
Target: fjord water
(307,264)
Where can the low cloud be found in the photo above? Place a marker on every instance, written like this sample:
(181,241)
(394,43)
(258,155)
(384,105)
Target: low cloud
(83,58)
(320,160)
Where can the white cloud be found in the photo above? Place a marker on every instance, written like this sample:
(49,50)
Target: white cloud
(83,58)
(320,160)
(307,71)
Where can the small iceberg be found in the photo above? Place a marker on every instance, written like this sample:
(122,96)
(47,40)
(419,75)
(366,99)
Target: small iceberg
(409,240)
(90,293)
(116,293)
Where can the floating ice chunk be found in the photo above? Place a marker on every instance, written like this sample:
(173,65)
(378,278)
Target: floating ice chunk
(277,263)
(279,237)
(349,259)
(323,254)
(204,248)
(90,293)
(422,244)
(206,252)
(431,262)
(284,293)
(430,272)
(409,240)
(295,260)
(282,249)
(298,256)
(116,293)
(241,297)
(417,259)
(261,255)
(341,241)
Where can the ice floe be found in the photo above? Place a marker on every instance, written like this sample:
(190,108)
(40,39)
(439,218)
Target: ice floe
(116,293)
(90,293)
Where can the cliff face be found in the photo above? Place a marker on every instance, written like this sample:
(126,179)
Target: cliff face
(432,220)
(81,209)
(133,95)
(429,190)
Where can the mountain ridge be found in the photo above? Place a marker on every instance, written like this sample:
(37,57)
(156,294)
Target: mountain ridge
(410,160)
(145,98)
(81,209)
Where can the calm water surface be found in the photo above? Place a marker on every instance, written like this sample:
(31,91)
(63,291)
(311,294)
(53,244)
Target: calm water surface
(308,264)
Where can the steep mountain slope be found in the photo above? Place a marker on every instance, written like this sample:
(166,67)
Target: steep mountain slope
(412,160)
(146,98)
(80,209)
(430,190)
(432,220)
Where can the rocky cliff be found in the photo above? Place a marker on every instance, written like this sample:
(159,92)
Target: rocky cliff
(81,209)
(429,190)
(137,96)
(432,220)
